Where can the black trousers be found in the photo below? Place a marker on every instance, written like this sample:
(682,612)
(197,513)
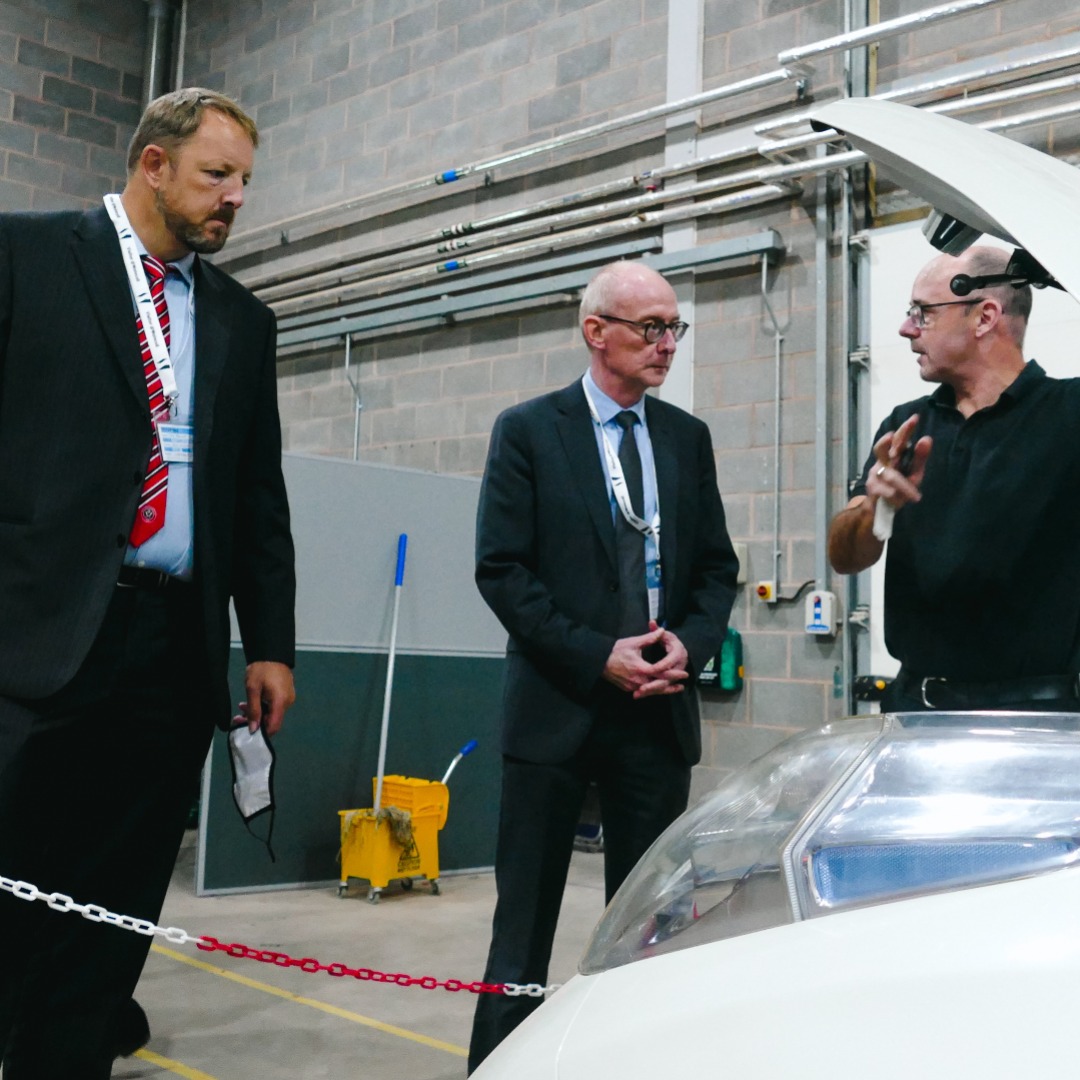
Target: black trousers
(643,782)
(93,802)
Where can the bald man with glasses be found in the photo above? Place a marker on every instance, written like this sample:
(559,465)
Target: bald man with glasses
(974,487)
(602,548)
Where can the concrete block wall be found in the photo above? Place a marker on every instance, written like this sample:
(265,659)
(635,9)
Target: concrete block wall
(350,95)
(70,87)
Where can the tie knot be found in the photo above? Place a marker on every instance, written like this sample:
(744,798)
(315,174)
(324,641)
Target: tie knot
(155,268)
(626,419)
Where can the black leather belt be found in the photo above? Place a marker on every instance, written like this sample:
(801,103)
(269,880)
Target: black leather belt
(941,692)
(143,577)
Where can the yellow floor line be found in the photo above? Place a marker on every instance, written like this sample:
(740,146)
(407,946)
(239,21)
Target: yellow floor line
(333,1010)
(172,1066)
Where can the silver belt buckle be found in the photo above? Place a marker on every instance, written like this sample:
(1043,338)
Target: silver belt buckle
(922,689)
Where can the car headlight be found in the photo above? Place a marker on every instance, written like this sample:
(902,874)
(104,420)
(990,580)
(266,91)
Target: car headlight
(862,811)
(717,871)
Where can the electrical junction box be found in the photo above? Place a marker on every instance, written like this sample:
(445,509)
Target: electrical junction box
(821,613)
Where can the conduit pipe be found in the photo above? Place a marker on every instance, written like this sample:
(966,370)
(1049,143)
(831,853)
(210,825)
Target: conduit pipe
(1039,64)
(591,234)
(181,46)
(821,371)
(882,30)
(446,236)
(778,340)
(338,271)
(1039,116)
(315,221)
(967,103)
(781,177)
(1004,97)
(554,223)
(158,57)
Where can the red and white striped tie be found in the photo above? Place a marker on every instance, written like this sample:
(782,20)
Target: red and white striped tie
(151,513)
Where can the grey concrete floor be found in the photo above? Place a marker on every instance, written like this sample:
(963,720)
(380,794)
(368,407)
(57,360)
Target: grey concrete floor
(212,1016)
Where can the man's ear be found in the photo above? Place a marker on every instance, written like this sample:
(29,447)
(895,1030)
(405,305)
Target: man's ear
(592,330)
(990,314)
(153,161)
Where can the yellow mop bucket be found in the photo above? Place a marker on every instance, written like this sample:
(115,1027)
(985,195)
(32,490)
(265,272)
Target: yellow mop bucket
(400,840)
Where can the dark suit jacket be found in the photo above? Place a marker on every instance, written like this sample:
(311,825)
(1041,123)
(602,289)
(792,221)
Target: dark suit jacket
(546,564)
(75,438)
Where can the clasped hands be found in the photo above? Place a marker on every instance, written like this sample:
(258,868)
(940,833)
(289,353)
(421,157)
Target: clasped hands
(628,669)
(888,480)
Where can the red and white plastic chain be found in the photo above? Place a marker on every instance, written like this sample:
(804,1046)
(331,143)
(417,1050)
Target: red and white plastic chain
(23,890)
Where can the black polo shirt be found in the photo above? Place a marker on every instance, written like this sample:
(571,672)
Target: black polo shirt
(982,577)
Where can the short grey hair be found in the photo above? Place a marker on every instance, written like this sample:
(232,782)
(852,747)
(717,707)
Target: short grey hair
(983,261)
(170,120)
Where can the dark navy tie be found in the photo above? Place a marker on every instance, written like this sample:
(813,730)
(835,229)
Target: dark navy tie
(629,543)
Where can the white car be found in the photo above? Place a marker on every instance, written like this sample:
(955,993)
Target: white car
(890,896)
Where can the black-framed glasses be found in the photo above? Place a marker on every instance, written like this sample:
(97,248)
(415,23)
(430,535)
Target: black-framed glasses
(652,330)
(917,312)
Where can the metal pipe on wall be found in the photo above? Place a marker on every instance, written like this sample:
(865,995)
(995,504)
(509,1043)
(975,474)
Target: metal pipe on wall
(966,103)
(553,223)
(782,178)
(181,46)
(1039,63)
(857,83)
(882,30)
(315,221)
(778,388)
(157,65)
(595,233)
(467,235)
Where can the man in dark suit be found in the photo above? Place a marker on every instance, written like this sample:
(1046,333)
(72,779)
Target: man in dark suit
(602,548)
(140,490)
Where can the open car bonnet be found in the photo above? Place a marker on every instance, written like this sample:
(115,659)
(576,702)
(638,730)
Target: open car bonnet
(983,180)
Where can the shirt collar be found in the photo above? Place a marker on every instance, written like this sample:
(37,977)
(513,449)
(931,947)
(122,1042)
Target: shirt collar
(184,267)
(1025,383)
(606,408)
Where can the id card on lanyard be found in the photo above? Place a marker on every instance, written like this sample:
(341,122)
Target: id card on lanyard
(648,529)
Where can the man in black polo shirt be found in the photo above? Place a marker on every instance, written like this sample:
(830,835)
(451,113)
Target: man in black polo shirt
(982,577)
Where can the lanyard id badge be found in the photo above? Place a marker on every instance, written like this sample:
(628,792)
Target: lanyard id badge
(140,293)
(648,529)
(177,441)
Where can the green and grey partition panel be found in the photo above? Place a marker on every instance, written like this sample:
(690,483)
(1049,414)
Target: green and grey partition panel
(347,518)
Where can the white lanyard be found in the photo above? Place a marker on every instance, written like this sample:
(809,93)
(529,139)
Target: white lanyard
(618,480)
(140,292)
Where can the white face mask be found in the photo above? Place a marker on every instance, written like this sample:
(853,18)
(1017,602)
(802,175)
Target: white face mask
(252,759)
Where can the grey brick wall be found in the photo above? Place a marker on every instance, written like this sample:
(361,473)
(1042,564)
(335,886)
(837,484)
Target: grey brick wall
(70,84)
(352,95)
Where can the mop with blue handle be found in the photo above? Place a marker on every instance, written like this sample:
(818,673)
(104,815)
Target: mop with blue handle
(399,578)
(468,748)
